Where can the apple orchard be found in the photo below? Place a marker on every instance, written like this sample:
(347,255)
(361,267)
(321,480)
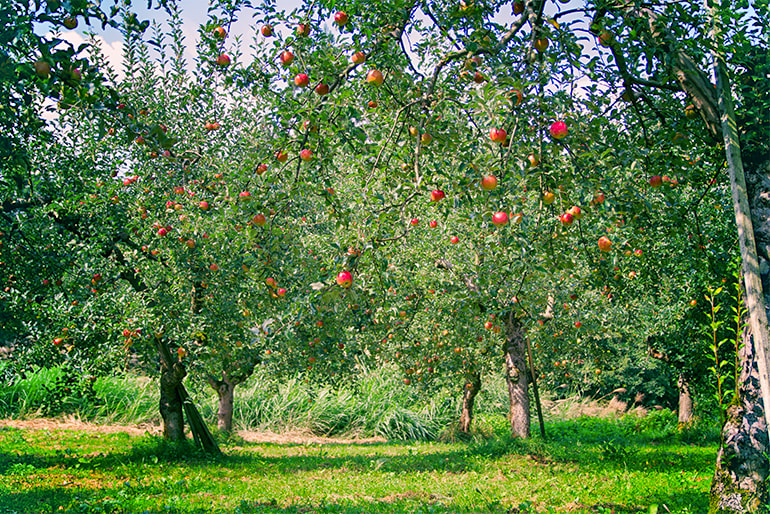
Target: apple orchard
(447,190)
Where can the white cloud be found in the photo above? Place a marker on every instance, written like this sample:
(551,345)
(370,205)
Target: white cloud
(113,51)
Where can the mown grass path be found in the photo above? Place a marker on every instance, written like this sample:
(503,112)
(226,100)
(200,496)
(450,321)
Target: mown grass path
(587,466)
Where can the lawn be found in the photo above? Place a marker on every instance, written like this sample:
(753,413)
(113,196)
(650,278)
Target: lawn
(586,465)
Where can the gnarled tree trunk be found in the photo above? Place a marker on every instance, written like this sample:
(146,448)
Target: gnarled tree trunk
(685,401)
(470,390)
(225,389)
(740,480)
(516,376)
(171,404)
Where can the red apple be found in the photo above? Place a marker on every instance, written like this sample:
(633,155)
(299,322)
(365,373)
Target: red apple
(271,282)
(426,139)
(578,324)
(244,196)
(566,219)
(656,181)
(498,135)
(437,195)
(433,224)
(301,80)
(605,244)
(281,156)
(220,33)
(534,160)
(203,206)
(162,232)
(261,169)
(638,253)
(375,77)
(70,22)
(306,154)
(303,29)
(286,58)
(213,267)
(606,38)
(281,292)
(259,220)
(598,198)
(500,219)
(576,212)
(478,78)
(454,240)
(267,30)
(358,58)
(558,130)
(488,182)
(691,112)
(341,18)
(322,89)
(488,325)
(516,218)
(223,60)
(344,279)
(415,222)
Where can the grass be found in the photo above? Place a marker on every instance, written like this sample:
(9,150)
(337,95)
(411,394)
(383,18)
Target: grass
(587,465)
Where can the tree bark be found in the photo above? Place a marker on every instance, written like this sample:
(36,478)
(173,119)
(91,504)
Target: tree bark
(685,401)
(470,390)
(740,480)
(516,376)
(225,389)
(171,405)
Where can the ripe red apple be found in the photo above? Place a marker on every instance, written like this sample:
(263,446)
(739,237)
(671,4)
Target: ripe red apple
(488,325)
(213,267)
(638,252)
(605,244)
(271,282)
(358,58)
(578,324)
(454,240)
(322,89)
(267,30)
(415,222)
(566,219)
(488,182)
(541,44)
(498,135)
(162,232)
(244,196)
(437,195)
(223,60)
(548,197)
(558,130)
(301,80)
(220,33)
(500,219)
(656,181)
(575,212)
(42,69)
(433,224)
(344,279)
(341,18)
(281,156)
(203,205)
(375,77)
(606,38)
(259,220)
(286,58)
(518,8)
(598,198)
(281,292)
(58,341)
(478,78)
(534,160)
(306,154)
(372,104)
(261,169)
(302,29)
(70,22)
(573,296)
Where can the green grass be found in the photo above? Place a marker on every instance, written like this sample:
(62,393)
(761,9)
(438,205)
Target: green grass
(586,465)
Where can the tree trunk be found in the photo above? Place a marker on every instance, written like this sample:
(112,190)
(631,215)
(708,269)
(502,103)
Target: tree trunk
(685,401)
(225,389)
(740,480)
(171,405)
(516,376)
(470,390)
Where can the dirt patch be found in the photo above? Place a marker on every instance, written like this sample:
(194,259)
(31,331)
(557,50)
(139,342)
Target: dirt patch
(80,426)
(303,438)
(142,429)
